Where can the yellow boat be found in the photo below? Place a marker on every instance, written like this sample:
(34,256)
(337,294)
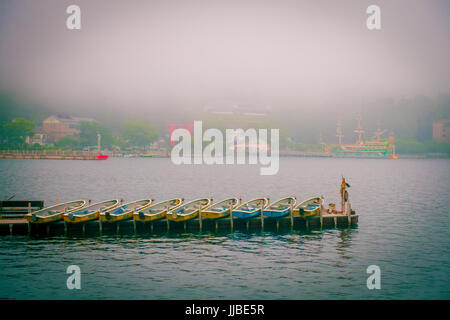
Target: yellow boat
(188,211)
(220,210)
(54,213)
(156,211)
(125,211)
(309,207)
(91,212)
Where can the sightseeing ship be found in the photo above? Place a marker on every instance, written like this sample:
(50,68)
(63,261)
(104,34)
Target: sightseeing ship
(377,148)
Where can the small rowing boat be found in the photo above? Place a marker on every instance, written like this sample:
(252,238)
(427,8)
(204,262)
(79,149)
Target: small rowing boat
(309,207)
(125,211)
(280,208)
(54,213)
(220,210)
(156,211)
(91,212)
(188,211)
(250,209)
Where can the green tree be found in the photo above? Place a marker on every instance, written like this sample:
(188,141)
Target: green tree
(138,133)
(88,134)
(16,131)
(71,142)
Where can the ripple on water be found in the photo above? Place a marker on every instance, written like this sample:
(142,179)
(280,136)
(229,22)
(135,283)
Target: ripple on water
(403,229)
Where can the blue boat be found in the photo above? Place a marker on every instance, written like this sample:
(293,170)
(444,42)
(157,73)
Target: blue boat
(250,209)
(280,208)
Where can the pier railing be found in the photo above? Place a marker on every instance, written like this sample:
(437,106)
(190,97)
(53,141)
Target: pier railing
(49,152)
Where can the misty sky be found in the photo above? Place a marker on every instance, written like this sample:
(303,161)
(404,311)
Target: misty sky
(135,54)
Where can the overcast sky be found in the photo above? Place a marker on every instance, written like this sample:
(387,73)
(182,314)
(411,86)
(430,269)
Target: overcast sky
(135,54)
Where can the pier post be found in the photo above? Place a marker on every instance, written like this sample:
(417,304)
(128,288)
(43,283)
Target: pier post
(29,212)
(349,212)
(262,216)
(291,209)
(217,226)
(200,215)
(231,216)
(134,221)
(321,213)
(168,221)
(335,221)
(278,224)
(10,228)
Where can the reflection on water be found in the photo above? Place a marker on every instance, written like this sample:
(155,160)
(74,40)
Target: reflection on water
(403,229)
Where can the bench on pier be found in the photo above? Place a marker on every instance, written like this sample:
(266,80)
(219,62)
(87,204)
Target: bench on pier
(18,209)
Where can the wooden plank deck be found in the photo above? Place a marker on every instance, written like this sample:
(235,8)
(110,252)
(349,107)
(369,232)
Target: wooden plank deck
(21,227)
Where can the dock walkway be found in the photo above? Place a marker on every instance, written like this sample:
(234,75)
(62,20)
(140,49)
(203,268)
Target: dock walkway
(21,226)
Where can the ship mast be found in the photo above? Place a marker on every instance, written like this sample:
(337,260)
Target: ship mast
(359,130)
(378,131)
(339,134)
(321,142)
(99,138)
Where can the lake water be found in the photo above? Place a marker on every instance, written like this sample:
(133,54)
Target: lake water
(403,208)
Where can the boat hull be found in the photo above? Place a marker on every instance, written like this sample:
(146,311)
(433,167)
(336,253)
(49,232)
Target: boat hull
(276,213)
(81,217)
(227,205)
(84,218)
(53,218)
(36,219)
(112,216)
(179,213)
(149,217)
(116,217)
(213,215)
(181,218)
(139,216)
(302,211)
(238,214)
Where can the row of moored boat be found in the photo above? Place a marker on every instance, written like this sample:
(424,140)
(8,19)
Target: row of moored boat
(175,210)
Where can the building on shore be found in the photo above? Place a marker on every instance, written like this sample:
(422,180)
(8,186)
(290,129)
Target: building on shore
(39,137)
(59,126)
(441,130)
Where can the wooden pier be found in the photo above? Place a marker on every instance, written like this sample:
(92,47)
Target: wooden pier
(22,227)
(52,155)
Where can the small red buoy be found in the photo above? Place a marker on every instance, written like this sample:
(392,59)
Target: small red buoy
(102,157)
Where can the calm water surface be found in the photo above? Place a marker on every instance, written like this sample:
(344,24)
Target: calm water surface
(403,228)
